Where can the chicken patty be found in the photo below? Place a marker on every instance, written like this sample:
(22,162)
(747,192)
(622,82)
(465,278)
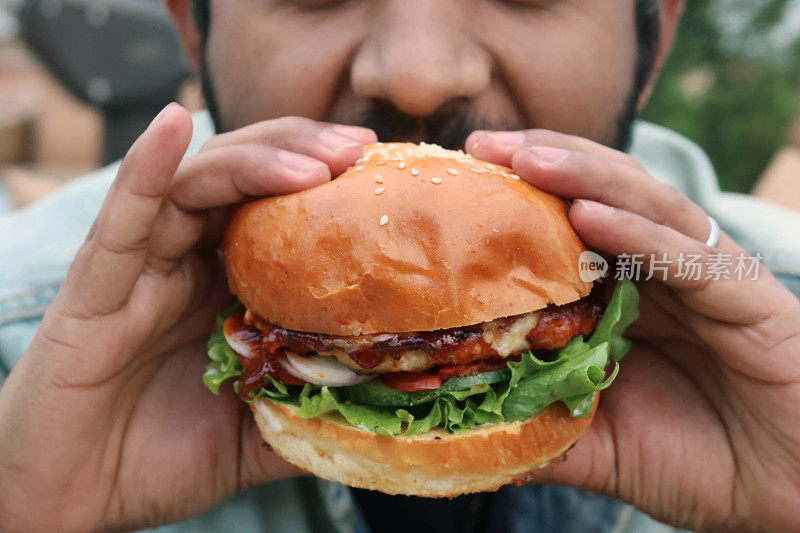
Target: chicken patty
(550,328)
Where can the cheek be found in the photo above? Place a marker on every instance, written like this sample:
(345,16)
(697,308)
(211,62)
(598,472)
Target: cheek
(273,68)
(572,71)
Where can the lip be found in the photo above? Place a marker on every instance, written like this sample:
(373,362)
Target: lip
(420,138)
(415,138)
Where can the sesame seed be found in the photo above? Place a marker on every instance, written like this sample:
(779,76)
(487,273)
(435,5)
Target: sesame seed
(476,170)
(504,173)
(379,190)
(452,171)
(384,220)
(489,165)
(359,168)
(401,166)
(378,178)
(463,160)
(513,176)
(436,181)
(414,172)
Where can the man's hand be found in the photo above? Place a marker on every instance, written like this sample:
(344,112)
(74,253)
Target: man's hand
(104,422)
(701,427)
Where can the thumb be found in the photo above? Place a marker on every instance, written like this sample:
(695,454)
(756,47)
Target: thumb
(258,463)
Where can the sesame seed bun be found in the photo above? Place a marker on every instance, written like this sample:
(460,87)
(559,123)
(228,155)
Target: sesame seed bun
(434,464)
(411,238)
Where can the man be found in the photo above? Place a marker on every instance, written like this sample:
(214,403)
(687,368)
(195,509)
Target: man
(104,422)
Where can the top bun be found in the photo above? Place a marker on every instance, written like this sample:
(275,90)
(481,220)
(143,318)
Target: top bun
(411,238)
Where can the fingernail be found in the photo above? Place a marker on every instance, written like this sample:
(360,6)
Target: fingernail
(357,132)
(595,208)
(336,141)
(548,154)
(298,162)
(507,137)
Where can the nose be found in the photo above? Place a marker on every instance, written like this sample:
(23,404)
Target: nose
(418,55)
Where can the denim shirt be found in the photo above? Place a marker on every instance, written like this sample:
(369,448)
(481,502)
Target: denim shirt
(37,245)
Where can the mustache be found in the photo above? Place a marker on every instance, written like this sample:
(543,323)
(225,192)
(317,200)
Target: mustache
(449,126)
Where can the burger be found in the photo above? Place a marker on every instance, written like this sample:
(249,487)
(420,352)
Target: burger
(418,325)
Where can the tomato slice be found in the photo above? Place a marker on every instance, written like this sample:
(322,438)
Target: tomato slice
(478,367)
(254,369)
(411,381)
(433,379)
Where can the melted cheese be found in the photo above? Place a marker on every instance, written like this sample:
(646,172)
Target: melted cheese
(510,339)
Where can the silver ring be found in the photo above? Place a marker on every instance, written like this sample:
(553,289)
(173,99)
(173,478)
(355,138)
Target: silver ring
(714,234)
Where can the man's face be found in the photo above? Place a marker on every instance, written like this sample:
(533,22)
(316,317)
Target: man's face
(426,70)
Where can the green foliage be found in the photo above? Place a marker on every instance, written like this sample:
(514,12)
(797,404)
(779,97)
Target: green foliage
(733,90)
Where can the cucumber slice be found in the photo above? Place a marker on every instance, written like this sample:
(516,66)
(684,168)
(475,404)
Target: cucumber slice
(467,382)
(376,393)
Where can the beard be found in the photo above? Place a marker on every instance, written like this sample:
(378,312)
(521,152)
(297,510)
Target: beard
(449,126)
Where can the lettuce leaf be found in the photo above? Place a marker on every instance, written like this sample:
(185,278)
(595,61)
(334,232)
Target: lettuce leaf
(621,312)
(573,376)
(224,363)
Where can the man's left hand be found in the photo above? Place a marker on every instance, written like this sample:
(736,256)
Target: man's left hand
(700,430)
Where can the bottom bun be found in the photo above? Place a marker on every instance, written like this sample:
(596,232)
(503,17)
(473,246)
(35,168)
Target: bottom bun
(435,464)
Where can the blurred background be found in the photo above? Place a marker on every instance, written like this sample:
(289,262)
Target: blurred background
(79,79)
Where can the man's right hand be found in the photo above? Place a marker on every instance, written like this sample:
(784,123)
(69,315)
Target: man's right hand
(104,422)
